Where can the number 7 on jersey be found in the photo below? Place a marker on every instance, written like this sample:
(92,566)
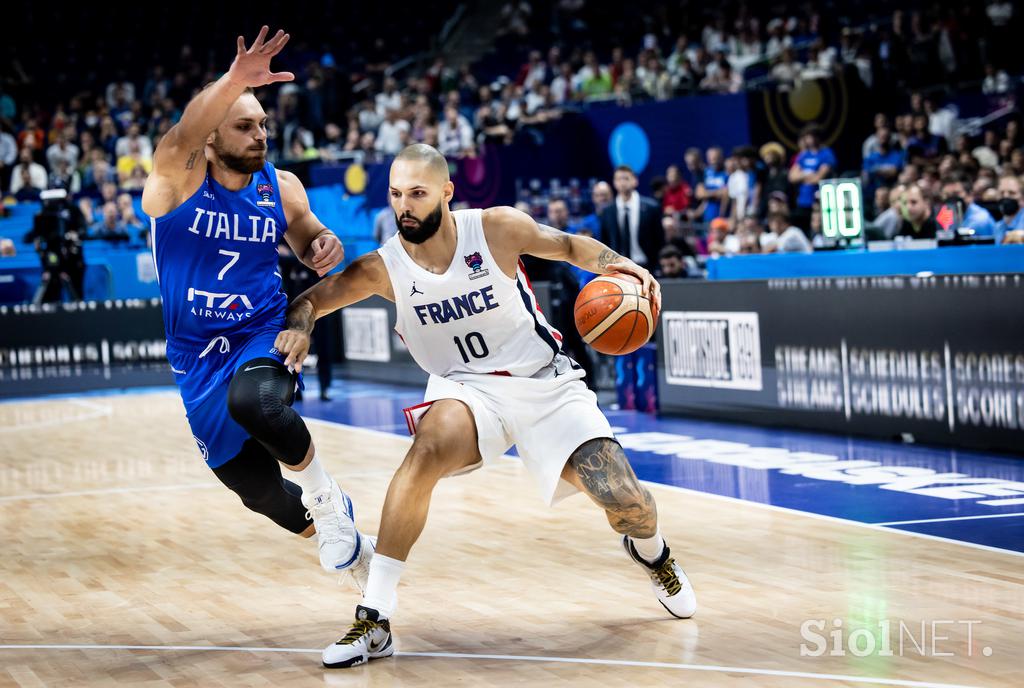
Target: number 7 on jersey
(234,259)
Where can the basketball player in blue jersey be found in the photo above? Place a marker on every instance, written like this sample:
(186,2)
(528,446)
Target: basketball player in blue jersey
(498,377)
(218,209)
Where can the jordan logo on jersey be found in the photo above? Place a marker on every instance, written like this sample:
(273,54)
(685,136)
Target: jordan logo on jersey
(457,307)
(475,261)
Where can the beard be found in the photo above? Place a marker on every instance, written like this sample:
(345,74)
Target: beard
(423,229)
(247,163)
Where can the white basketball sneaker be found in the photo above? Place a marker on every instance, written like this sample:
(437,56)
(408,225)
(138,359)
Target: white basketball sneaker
(668,580)
(369,638)
(332,513)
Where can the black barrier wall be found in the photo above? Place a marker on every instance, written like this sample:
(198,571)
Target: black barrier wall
(71,347)
(74,347)
(934,359)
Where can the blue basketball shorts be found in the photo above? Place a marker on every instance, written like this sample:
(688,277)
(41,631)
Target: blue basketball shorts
(203,376)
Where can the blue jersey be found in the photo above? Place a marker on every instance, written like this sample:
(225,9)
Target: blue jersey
(812,161)
(216,261)
(713,181)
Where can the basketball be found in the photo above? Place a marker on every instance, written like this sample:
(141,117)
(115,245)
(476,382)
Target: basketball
(613,316)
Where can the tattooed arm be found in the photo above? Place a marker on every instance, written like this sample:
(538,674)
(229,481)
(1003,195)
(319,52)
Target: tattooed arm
(179,162)
(601,470)
(513,230)
(365,277)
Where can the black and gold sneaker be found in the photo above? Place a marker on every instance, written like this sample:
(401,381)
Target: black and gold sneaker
(369,638)
(668,580)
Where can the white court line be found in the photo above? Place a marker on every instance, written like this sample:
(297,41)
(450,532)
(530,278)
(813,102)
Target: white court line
(518,658)
(835,519)
(951,518)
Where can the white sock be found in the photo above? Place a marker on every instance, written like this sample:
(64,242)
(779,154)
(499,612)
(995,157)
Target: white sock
(382,584)
(650,548)
(311,478)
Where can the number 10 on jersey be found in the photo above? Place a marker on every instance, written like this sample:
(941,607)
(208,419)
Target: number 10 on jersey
(473,345)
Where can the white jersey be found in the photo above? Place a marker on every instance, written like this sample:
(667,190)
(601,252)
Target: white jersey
(473,318)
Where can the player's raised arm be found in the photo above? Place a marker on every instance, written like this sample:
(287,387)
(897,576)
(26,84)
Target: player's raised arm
(364,278)
(179,156)
(519,232)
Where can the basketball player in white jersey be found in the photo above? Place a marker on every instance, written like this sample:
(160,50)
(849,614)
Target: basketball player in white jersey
(497,375)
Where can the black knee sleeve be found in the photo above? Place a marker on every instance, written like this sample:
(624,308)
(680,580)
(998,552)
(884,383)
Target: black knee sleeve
(255,476)
(259,399)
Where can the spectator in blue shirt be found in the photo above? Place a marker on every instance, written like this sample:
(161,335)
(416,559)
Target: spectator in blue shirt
(601,195)
(924,143)
(977,218)
(1010,199)
(884,162)
(814,163)
(110,228)
(713,190)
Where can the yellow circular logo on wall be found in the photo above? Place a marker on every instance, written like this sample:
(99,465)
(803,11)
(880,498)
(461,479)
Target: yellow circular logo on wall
(355,179)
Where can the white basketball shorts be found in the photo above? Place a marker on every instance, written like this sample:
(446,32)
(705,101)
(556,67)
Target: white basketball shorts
(547,416)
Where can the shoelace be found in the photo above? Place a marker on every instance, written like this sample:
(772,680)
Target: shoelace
(360,628)
(667,578)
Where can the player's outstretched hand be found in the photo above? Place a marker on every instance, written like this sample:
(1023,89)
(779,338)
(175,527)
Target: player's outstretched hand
(327,253)
(252,66)
(649,286)
(294,344)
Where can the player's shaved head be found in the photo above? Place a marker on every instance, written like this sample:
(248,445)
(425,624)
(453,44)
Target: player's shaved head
(420,191)
(429,157)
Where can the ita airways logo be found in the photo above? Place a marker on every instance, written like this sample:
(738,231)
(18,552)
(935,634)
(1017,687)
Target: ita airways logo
(476,263)
(266,194)
(202,448)
(220,306)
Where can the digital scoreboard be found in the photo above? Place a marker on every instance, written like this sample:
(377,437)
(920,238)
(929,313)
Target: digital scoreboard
(842,211)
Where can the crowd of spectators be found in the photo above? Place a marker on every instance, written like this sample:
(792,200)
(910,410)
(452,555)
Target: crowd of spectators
(917,162)
(98,143)
(579,54)
(661,49)
(922,178)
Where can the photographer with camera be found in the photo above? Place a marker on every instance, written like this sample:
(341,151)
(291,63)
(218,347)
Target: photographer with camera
(57,235)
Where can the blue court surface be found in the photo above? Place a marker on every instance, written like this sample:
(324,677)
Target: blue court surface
(966,496)
(971,496)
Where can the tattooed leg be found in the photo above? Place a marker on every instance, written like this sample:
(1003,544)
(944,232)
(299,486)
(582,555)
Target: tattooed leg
(601,470)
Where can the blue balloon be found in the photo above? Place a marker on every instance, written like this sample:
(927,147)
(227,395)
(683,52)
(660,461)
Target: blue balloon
(629,145)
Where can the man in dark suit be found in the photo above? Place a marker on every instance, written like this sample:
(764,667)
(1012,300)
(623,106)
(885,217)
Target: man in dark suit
(631,225)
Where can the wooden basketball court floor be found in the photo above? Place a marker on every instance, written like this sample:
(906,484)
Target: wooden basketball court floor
(124,562)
